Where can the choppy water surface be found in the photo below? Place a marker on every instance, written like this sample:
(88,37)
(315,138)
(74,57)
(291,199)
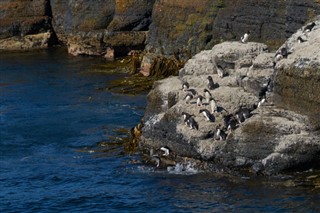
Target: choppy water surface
(53,113)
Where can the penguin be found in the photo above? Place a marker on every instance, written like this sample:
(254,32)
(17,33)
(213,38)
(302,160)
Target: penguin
(240,117)
(210,83)
(207,95)
(245,37)
(300,40)
(284,52)
(192,123)
(213,105)
(199,100)
(155,158)
(309,27)
(165,150)
(188,98)
(261,102)
(207,115)
(220,134)
(232,124)
(185,86)
(229,122)
(220,71)
(186,117)
(246,113)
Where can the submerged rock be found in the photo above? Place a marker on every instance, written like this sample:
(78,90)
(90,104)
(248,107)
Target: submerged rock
(262,136)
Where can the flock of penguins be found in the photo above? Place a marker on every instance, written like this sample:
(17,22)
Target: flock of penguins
(230,121)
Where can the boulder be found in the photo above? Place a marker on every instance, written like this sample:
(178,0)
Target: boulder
(273,138)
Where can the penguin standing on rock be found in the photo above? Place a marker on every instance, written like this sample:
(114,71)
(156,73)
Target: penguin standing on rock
(199,100)
(210,83)
(207,95)
(220,134)
(300,40)
(213,105)
(240,117)
(245,37)
(192,124)
(309,27)
(188,98)
(207,115)
(185,86)
(220,71)
(165,150)
(186,116)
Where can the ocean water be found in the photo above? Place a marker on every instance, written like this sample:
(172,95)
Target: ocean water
(53,115)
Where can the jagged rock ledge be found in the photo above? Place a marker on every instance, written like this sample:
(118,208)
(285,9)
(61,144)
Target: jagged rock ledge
(275,137)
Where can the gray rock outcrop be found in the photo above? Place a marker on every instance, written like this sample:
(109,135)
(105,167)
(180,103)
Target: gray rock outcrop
(270,139)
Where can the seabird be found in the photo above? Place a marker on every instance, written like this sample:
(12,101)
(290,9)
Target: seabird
(207,115)
(261,102)
(213,105)
(210,83)
(192,123)
(220,134)
(185,86)
(245,37)
(300,40)
(229,122)
(199,100)
(188,98)
(166,151)
(186,117)
(207,95)
(220,71)
(240,117)
(309,27)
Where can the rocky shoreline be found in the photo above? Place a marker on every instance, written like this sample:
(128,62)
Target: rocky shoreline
(273,138)
(203,38)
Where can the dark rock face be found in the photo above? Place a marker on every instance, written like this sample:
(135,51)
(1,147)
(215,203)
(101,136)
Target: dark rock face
(83,15)
(179,28)
(185,27)
(24,17)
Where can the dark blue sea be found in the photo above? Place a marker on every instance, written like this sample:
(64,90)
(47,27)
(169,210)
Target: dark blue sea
(54,113)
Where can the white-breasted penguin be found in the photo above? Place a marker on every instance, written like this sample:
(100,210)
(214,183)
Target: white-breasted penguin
(240,117)
(300,39)
(261,102)
(185,86)
(230,122)
(220,134)
(213,105)
(284,52)
(245,112)
(186,117)
(210,83)
(192,123)
(188,98)
(199,100)
(207,95)
(309,27)
(245,37)
(155,158)
(220,71)
(207,115)
(165,150)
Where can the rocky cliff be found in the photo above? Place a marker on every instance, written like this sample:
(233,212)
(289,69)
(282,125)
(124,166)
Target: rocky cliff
(266,108)
(180,28)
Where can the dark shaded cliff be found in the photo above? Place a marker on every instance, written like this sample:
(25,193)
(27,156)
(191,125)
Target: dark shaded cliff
(181,28)
(19,18)
(186,27)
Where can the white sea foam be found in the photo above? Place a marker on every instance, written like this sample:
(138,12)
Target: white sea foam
(184,169)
